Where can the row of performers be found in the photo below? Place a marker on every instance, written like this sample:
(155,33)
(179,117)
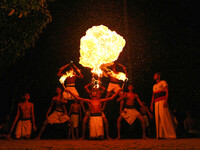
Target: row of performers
(95,116)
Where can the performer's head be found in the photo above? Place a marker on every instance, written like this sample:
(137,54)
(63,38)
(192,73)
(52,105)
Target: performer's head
(71,68)
(75,101)
(113,67)
(157,76)
(130,87)
(27,96)
(95,93)
(58,90)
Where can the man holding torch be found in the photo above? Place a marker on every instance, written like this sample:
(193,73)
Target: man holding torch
(70,79)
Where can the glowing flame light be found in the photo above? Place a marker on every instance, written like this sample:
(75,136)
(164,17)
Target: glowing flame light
(119,75)
(69,73)
(100,46)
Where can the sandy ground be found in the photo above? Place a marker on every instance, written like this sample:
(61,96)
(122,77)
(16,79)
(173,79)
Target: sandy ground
(149,144)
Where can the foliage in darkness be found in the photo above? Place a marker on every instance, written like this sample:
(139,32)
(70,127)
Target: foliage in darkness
(21,23)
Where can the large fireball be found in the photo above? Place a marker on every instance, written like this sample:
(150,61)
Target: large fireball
(100,46)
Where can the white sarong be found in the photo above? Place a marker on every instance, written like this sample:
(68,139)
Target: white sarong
(68,96)
(57,117)
(96,126)
(164,124)
(130,115)
(113,86)
(75,120)
(24,128)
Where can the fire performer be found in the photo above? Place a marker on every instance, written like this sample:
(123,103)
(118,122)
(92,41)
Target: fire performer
(70,80)
(164,124)
(96,119)
(130,113)
(25,113)
(99,90)
(114,83)
(59,115)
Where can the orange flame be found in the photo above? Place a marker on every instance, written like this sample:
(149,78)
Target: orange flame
(100,46)
(119,75)
(69,73)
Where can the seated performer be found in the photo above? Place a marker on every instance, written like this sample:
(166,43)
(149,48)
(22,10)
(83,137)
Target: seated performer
(59,115)
(26,117)
(96,120)
(76,115)
(99,91)
(130,113)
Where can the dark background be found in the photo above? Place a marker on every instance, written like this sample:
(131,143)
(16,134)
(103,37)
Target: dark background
(160,36)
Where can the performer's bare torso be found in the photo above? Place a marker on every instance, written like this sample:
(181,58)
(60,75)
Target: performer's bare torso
(25,110)
(75,108)
(70,80)
(130,98)
(58,105)
(95,106)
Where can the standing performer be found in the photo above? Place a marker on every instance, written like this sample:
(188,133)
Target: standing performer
(143,112)
(59,115)
(96,120)
(99,92)
(130,113)
(164,125)
(25,114)
(76,115)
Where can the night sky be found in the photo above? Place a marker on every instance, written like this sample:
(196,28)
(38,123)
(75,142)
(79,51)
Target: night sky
(160,36)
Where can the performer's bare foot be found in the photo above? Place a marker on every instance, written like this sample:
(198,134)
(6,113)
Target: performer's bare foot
(118,137)
(108,138)
(8,137)
(144,137)
(82,138)
(37,138)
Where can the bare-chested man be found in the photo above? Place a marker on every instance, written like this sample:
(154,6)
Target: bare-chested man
(99,92)
(70,81)
(114,84)
(96,120)
(130,113)
(25,114)
(76,115)
(59,115)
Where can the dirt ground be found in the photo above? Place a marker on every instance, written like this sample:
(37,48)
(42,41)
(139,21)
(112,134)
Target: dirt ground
(164,144)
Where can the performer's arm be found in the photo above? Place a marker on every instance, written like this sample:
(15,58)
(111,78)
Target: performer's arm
(102,89)
(70,111)
(80,112)
(121,97)
(167,94)
(82,106)
(121,106)
(150,115)
(49,110)
(33,117)
(124,68)
(87,89)
(112,97)
(79,71)
(152,100)
(78,98)
(61,70)
(16,118)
